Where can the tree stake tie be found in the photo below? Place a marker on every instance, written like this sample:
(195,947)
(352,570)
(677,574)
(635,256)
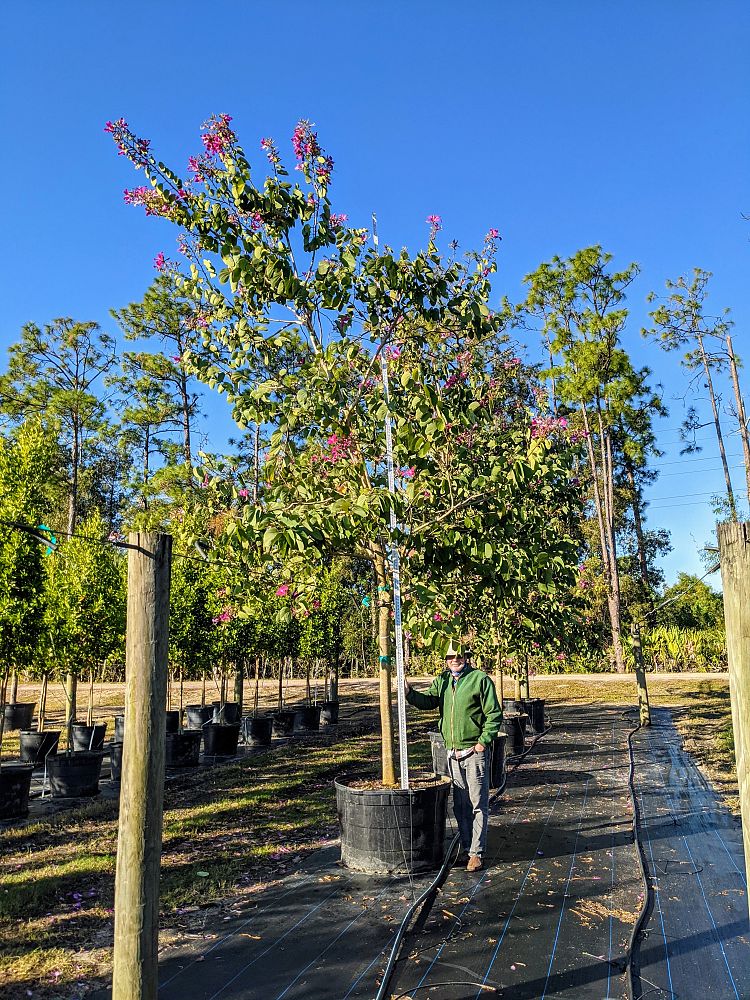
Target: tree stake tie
(395,566)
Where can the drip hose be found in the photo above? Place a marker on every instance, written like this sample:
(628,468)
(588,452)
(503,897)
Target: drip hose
(432,889)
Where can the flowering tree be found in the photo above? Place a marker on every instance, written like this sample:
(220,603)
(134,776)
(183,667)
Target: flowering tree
(303,320)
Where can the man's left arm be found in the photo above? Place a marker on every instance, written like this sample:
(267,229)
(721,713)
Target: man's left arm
(493,713)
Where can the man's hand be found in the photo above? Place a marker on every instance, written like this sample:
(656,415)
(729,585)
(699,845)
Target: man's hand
(479,748)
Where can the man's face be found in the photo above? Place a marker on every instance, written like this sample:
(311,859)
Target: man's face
(454,662)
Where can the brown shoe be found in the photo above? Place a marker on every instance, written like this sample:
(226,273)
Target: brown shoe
(475,863)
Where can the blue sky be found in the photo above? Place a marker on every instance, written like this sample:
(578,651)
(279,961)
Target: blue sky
(562,124)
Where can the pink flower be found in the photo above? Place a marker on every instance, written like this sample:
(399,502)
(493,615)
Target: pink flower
(437,617)
(283,590)
(176,358)
(392,353)
(493,234)
(159,261)
(338,220)
(256,220)
(434,221)
(243,492)
(409,473)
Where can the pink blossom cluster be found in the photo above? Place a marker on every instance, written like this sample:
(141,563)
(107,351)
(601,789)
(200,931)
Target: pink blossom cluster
(408,473)
(283,590)
(437,617)
(576,437)
(305,141)
(128,144)
(492,235)
(218,136)
(392,353)
(256,220)
(339,448)
(435,223)
(542,427)
(226,616)
(338,220)
(160,261)
(152,200)
(512,363)
(269,148)
(455,379)
(244,493)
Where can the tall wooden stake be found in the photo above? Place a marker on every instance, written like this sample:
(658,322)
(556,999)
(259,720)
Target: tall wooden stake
(135,974)
(644,709)
(734,555)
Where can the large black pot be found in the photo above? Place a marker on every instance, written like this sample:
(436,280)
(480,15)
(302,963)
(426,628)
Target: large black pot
(283,723)
(220,741)
(534,708)
(497,760)
(15,784)
(329,713)
(115,761)
(198,715)
(172,724)
(119,728)
(183,749)
(36,746)
(513,705)
(392,830)
(256,730)
(307,718)
(88,737)
(515,725)
(19,714)
(73,775)
(230,714)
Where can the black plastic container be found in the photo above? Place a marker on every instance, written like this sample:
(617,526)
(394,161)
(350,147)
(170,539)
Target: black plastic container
(198,715)
(497,760)
(392,830)
(307,718)
(36,746)
(172,723)
(88,737)
(329,713)
(230,714)
(15,784)
(534,708)
(19,714)
(513,705)
(74,775)
(514,724)
(439,754)
(220,741)
(115,761)
(119,728)
(183,749)
(283,722)
(256,730)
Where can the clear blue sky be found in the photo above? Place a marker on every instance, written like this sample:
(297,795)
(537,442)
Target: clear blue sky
(562,124)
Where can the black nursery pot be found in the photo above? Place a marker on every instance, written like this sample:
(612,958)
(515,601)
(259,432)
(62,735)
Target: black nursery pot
(308,718)
(439,754)
(392,830)
(257,730)
(514,723)
(36,746)
(230,714)
(497,760)
(534,708)
(283,723)
(88,737)
(513,705)
(172,724)
(183,749)
(19,714)
(198,715)
(15,784)
(119,728)
(73,775)
(329,713)
(115,760)
(220,741)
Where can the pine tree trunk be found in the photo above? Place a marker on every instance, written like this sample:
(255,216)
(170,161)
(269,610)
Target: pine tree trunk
(717,425)
(741,415)
(635,503)
(384,650)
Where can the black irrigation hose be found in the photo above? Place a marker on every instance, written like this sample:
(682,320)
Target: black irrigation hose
(432,889)
(648,894)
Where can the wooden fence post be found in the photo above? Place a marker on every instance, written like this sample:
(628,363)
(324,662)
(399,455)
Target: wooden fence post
(135,972)
(644,709)
(734,555)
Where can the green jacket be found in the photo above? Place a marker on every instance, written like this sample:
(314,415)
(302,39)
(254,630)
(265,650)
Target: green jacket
(469,710)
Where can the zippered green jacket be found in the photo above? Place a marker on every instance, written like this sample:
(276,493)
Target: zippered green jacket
(469,709)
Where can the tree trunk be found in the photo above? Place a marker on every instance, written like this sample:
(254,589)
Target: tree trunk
(185,398)
(741,416)
(281,683)
(525,692)
(182,692)
(70,689)
(717,425)
(14,687)
(517,685)
(333,680)
(384,650)
(635,503)
(90,710)
(307,680)
(203,690)
(256,696)
(43,702)
(239,684)
(3,703)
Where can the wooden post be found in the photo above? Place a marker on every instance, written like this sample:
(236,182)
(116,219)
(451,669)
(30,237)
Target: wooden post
(734,555)
(644,709)
(135,974)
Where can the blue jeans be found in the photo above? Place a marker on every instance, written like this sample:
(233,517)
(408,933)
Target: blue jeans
(471,794)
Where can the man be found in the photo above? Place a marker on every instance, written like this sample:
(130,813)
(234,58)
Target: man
(470,718)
